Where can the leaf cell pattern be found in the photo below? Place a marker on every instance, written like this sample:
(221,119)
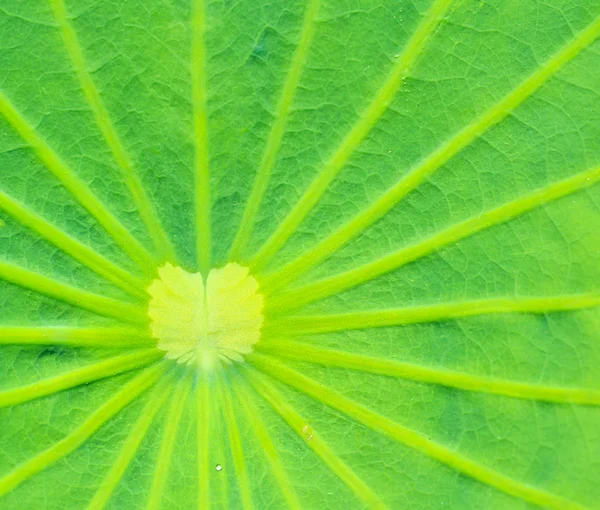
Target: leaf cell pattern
(414,185)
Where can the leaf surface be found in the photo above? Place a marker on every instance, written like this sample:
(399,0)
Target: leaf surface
(413,184)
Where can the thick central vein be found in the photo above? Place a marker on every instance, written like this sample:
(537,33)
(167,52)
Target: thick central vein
(201,161)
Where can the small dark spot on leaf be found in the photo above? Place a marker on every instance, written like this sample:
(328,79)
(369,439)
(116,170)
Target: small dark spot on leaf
(53,351)
(265,45)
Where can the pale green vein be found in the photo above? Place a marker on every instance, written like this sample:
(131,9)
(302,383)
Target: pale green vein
(237,450)
(82,193)
(131,445)
(121,156)
(411,438)
(334,358)
(435,160)
(299,425)
(359,131)
(79,376)
(77,437)
(221,488)
(79,251)
(163,462)
(308,324)
(252,414)
(329,286)
(76,337)
(201,161)
(269,156)
(204,429)
(80,298)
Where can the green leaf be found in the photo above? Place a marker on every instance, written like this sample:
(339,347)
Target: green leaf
(413,186)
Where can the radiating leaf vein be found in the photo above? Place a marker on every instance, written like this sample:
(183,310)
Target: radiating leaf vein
(316,444)
(101,305)
(76,249)
(431,375)
(364,125)
(78,376)
(277,131)
(308,324)
(76,438)
(411,438)
(131,445)
(496,113)
(251,410)
(79,189)
(337,283)
(121,156)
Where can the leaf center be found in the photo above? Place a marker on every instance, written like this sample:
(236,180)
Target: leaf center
(202,324)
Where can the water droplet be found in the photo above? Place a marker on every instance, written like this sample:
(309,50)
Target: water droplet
(218,467)
(308,432)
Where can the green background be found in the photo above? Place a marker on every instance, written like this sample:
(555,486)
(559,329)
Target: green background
(138,54)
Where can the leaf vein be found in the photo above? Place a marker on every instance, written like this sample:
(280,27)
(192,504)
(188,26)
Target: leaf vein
(411,438)
(338,283)
(113,141)
(323,249)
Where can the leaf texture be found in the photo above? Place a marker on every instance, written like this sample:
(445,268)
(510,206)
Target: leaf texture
(414,185)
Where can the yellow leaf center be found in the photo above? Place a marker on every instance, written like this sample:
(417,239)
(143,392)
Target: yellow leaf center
(203,323)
